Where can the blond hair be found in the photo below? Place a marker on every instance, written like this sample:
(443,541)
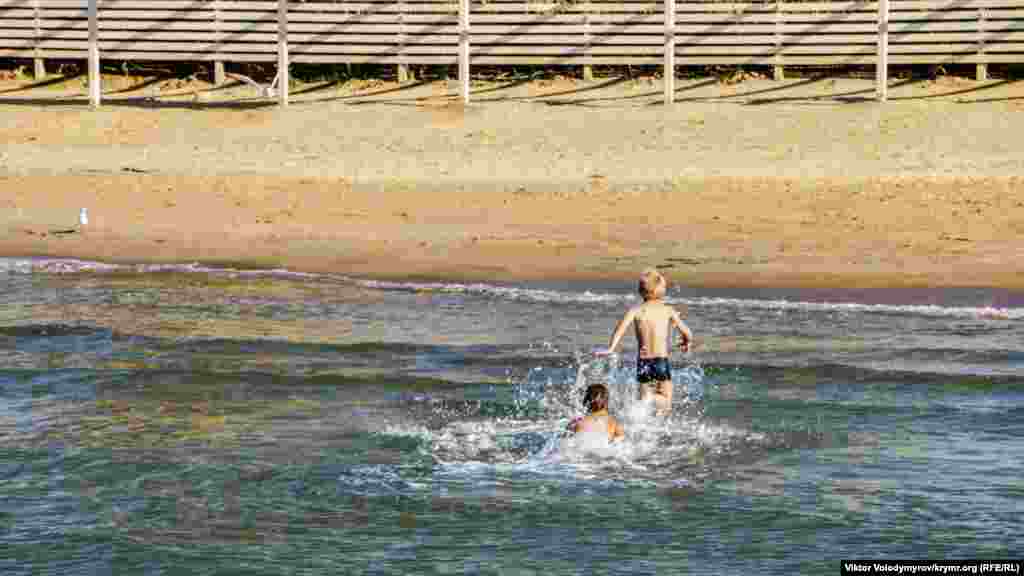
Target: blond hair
(652,284)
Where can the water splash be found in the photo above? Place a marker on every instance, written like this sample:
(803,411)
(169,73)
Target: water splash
(533,438)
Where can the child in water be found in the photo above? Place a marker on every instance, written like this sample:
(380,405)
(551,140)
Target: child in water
(653,321)
(597,419)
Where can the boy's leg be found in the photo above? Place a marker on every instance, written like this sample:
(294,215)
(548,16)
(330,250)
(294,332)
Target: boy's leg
(645,394)
(663,397)
(644,389)
(647,390)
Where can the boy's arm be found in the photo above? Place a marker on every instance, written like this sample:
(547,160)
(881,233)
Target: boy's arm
(684,330)
(620,331)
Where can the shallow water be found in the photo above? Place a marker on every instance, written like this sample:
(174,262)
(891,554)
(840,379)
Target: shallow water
(181,420)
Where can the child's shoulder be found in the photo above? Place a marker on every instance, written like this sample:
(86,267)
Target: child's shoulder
(669,308)
(636,310)
(657,305)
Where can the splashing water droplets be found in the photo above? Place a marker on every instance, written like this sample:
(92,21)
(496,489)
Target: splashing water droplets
(530,433)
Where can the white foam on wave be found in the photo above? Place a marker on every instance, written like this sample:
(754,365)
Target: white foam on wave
(410,430)
(929,310)
(75,266)
(505,292)
(588,297)
(517,293)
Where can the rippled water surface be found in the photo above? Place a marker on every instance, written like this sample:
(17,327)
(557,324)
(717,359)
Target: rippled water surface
(179,420)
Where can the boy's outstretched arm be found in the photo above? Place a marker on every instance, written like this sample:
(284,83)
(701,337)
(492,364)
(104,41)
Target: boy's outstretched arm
(684,330)
(620,331)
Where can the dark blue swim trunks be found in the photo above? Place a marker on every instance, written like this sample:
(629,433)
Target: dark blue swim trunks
(652,370)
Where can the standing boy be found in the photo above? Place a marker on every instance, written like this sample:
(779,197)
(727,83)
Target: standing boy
(653,321)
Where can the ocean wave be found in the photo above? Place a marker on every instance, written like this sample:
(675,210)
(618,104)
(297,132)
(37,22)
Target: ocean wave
(75,266)
(588,297)
(518,293)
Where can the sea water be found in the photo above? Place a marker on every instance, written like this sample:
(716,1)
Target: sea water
(185,420)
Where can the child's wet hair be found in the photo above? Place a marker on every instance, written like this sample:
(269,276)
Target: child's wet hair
(596,397)
(652,284)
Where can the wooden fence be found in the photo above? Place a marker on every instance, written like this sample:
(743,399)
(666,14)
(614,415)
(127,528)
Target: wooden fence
(504,32)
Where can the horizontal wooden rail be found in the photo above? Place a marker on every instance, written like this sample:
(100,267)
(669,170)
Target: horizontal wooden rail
(682,52)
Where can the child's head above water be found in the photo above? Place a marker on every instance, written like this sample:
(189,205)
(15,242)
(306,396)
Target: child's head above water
(596,398)
(652,284)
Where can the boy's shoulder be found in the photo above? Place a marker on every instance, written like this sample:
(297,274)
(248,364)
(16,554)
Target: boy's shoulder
(655,306)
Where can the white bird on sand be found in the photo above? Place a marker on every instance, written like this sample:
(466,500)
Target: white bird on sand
(83,217)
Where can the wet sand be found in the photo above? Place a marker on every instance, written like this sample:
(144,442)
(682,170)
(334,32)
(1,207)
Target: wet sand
(798,183)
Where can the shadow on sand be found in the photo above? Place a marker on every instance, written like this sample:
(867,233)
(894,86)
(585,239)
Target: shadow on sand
(591,91)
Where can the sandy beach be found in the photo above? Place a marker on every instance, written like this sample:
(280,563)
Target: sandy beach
(804,182)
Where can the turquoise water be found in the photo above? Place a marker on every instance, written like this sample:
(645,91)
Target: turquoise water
(181,420)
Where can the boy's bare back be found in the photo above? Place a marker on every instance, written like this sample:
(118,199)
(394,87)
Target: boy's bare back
(653,322)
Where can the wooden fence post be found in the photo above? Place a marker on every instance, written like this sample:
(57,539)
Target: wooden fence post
(94,55)
(588,69)
(882,67)
(981,69)
(39,65)
(464,49)
(403,68)
(282,52)
(670,52)
(778,73)
(218,64)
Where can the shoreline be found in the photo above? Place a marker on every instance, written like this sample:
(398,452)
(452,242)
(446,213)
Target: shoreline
(942,296)
(951,303)
(801,234)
